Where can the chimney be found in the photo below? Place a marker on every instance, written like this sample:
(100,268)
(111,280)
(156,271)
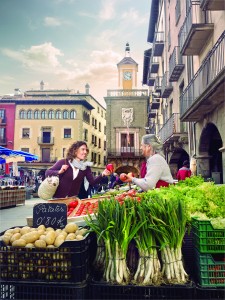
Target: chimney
(42,85)
(87,86)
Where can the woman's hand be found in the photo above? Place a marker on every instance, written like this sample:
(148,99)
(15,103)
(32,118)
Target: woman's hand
(63,169)
(106,173)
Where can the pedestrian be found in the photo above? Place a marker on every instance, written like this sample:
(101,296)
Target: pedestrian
(158,172)
(143,169)
(184,172)
(73,171)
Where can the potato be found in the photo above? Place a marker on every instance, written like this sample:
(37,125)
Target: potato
(30,237)
(71,227)
(40,244)
(59,240)
(58,231)
(50,246)
(9,231)
(41,227)
(29,245)
(70,237)
(79,237)
(15,237)
(50,237)
(40,232)
(64,233)
(19,243)
(16,229)
(6,239)
(24,230)
(42,237)
(49,228)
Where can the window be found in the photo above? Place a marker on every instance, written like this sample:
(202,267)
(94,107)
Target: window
(104,145)
(22,114)
(98,110)
(104,129)
(95,140)
(99,143)
(44,114)
(2,113)
(85,135)
(67,133)
(65,114)
(95,124)
(25,133)
(25,149)
(171,108)
(100,127)
(93,121)
(29,114)
(102,113)
(92,139)
(36,114)
(73,114)
(99,159)
(51,114)
(58,114)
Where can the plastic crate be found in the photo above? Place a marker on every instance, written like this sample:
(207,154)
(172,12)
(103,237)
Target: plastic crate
(207,239)
(103,290)
(35,291)
(188,253)
(210,269)
(68,263)
(209,293)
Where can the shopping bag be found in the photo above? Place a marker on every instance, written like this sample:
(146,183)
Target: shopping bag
(48,187)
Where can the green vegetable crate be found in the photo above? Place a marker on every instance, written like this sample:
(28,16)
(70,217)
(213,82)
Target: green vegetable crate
(206,238)
(210,269)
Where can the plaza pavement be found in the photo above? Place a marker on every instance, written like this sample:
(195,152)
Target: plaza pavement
(16,216)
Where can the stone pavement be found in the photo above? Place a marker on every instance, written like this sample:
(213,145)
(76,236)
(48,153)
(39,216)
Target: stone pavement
(16,216)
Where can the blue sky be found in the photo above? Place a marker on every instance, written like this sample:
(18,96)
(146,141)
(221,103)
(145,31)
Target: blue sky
(68,43)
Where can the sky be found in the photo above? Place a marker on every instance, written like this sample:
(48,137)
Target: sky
(68,43)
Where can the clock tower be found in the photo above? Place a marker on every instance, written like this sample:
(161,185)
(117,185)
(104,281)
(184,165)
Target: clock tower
(127,71)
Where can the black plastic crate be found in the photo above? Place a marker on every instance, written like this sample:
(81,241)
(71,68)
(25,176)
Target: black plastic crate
(36,291)
(209,293)
(68,263)
(188,254)
(104,290)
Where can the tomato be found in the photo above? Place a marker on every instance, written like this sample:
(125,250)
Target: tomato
(131,192)
(73,204)
(123,177)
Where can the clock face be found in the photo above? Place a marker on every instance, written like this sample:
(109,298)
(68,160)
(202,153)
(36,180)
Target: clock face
(127,75)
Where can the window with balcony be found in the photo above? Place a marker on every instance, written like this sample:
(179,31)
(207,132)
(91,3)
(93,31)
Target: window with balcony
(67,133)
(25,133)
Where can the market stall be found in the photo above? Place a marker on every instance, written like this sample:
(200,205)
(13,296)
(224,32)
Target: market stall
(10,193)
(167,243)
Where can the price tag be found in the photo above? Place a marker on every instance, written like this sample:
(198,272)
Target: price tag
(50,214)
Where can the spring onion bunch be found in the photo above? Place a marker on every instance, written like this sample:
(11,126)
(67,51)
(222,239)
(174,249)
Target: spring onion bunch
(169,220)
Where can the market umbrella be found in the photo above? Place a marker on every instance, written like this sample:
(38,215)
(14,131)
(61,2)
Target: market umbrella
(6,153)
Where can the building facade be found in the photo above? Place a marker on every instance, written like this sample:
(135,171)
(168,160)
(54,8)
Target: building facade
(47,122)
(126,117)
(186,74)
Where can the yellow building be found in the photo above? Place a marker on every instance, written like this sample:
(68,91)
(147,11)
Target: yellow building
(47,122)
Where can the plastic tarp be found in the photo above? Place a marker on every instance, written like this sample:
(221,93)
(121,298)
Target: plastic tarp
(6,153)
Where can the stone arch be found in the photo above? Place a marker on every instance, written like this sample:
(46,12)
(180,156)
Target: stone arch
(209,144)
(177,158)
(127,169)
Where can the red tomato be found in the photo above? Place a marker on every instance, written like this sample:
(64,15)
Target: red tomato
(123,176)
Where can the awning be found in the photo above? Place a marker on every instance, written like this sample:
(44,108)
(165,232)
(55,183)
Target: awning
(9,155)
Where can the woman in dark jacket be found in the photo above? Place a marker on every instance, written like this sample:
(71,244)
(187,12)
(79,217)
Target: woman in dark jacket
(74,171)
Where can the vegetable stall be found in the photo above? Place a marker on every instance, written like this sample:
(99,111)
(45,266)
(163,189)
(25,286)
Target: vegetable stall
(166,243)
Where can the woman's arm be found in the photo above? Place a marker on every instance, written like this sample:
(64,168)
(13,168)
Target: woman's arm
(58,168)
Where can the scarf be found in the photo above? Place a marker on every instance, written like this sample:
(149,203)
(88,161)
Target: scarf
(81,165)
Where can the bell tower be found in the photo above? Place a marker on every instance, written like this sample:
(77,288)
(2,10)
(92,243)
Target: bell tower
(127,71)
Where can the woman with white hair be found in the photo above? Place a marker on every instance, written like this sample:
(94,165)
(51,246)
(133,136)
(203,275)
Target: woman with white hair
(158,172)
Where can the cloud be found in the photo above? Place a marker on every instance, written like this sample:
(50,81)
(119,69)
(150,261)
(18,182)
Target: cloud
(41,57)
(107,11)
(52,22)
(133,16)
(5,79)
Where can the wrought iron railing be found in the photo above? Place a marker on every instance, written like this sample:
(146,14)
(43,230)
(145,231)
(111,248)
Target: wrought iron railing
(45,140)
(172,125)
(175,59)
(127,93)
(211,67)
(124,152)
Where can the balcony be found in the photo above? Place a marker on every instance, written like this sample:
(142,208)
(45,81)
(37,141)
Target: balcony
(151,79)
(127,93)
(124,152)
(158,84)
(212,4)
(195,31)
(167,87)
(154,64)
(152,113)
(45,141)
(173,129)
(176,65)
(155,104)
(206,90)
(158,44)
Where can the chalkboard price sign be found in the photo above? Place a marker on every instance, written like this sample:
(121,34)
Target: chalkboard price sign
(50,214)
